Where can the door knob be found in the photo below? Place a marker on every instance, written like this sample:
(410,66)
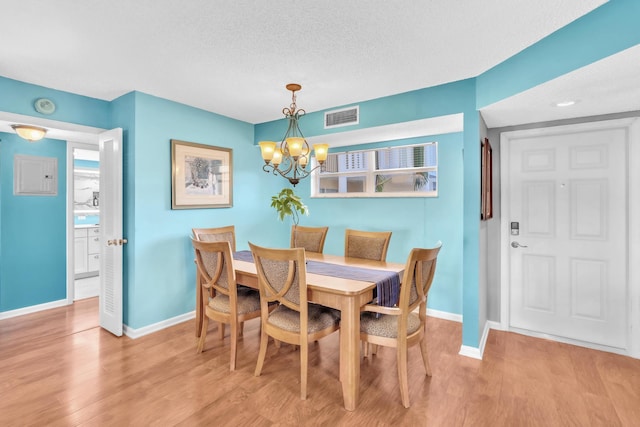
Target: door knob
(516,245)
(116,242)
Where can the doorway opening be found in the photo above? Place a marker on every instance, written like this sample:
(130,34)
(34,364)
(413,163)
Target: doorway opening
(86,222)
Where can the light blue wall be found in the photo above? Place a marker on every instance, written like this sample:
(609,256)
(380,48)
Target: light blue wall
(32,236)
(18,97)
(471,225)
(160,276)
(453,217)
(33,229)
(414,222)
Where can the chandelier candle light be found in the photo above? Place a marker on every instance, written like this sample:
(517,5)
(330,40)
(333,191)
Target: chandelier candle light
(290,157)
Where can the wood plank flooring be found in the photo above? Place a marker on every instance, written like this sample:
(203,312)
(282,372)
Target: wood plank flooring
(57,368)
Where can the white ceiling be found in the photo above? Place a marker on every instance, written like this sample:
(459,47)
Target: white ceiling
(611,85)
(234,57)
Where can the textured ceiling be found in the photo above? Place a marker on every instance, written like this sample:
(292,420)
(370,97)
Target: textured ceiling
(235,57)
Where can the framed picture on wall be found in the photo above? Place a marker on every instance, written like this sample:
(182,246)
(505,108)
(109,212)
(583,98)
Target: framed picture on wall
(201,176)
(486,179)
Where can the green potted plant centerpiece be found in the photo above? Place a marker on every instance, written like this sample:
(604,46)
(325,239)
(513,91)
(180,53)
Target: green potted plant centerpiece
(288,203)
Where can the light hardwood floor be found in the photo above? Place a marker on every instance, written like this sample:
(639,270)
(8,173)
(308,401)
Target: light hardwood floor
(58,368)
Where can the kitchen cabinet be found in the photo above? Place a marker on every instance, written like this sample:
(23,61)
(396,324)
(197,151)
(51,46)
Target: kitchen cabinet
(80,251)
(87,252)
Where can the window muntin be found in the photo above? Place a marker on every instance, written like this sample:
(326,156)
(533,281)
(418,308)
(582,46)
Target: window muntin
(402,171)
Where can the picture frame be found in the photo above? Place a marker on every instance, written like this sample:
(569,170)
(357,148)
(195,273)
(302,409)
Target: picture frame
(486,180)
(201,176)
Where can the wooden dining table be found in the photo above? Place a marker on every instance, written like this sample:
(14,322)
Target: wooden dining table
(346,295)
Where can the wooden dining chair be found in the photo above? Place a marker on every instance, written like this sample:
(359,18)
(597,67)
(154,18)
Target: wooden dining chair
(309,238)
(217,234)
(225,302)
(399,326)
(214,234)
(282,278)
(366,244)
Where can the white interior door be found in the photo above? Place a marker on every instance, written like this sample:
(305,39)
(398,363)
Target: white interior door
(568,195)
(110,143)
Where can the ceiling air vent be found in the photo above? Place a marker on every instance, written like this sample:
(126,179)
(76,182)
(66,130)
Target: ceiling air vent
(343,117)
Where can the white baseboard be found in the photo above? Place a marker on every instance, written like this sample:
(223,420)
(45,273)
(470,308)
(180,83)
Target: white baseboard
(33,309)
(488,325)
(478,353)
(472,352)
(592,346)
(146,330)
(465,350)
(444,315)
(497,326)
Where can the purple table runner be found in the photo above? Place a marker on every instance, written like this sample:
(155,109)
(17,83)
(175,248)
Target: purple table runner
(387,282)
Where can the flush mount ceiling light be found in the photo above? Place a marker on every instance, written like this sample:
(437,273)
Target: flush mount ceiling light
(289,158)
(30,133)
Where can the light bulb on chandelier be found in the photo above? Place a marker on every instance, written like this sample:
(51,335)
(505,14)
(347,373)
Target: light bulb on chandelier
(290,157)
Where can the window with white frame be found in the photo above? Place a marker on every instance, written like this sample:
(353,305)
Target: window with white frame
(402,171)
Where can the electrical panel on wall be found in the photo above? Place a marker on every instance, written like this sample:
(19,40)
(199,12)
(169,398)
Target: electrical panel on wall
(35,176)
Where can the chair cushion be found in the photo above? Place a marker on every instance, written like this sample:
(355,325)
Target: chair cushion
(248,301)
(319,318)
(310,241)
(386,325)
(366,247)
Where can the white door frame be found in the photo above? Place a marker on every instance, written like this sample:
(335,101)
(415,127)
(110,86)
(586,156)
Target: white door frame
(632,126)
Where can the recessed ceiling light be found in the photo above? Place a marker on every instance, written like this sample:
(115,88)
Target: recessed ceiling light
(565,103)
